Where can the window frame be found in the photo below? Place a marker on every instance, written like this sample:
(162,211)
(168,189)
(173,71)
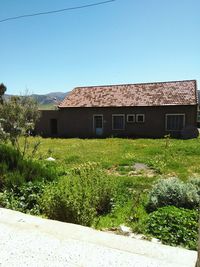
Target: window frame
(143,115)
(128,115)
(174,114)
(118,115)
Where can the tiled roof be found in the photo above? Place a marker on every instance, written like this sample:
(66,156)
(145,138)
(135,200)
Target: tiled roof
(144,94)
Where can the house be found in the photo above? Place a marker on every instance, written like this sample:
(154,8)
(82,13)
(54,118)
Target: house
(198,113)
(127,110)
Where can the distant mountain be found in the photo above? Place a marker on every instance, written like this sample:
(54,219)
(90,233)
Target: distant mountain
(51,98)
(47,99)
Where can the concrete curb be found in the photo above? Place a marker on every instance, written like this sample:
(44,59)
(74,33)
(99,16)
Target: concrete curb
(163,255)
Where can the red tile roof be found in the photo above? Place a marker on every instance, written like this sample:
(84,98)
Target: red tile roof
(144,94)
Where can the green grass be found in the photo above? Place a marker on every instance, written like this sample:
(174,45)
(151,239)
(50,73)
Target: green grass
(50,106)
(180,159)
(95,182)
(117,156)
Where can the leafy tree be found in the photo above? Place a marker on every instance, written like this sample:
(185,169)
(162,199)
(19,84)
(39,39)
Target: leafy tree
(18,116)
(2,91)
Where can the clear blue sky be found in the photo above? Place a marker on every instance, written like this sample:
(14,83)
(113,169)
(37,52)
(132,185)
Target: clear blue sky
(126,41)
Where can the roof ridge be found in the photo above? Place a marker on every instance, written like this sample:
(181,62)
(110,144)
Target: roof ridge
(140,94)
(128,84)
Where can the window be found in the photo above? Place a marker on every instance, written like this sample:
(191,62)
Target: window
(174,122)
(131,118)
(118,122)
(140,118)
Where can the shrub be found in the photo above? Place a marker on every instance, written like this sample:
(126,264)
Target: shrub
(18,118)
(80,196)
(174,192)
(196,183)
(13,179)
(14,170)
(33,170)
(174,226)
(3,171)
(24,198)
(9,156)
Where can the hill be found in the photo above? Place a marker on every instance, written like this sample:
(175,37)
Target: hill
(46,101)
(50,98)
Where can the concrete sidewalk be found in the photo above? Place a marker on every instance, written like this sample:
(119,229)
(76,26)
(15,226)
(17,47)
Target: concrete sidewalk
(31,241)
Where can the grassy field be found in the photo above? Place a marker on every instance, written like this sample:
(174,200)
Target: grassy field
(168,157)
(106,182)
(164,158)
(50,106)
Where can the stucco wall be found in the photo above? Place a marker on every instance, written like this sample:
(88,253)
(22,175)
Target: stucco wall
(78,122)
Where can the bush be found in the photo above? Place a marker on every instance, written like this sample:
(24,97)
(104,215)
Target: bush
(174,226)
(24,198)
(174,192)
(80,196)
(14,170)
(196,183)
(33,170)
(9,156)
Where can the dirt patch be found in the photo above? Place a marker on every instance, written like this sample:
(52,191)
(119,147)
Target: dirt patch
(140,167)
(137,169)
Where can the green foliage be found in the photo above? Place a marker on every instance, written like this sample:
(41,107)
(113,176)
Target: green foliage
(9,156)
(119,215)
(137,219)
(196,183)
(34,170)
(113,152)
(121,204)
(157,163)
(123,193)
(128,204)
(28,170)
(72,159)
(77,198)
(62,200)
(22,180)
(2,91)
(15,170)
(174,226)
(18,117)
(12,179)
(24,198)
(173,191)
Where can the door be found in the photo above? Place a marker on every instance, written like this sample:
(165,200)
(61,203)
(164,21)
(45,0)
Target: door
(98,124)
(54,126)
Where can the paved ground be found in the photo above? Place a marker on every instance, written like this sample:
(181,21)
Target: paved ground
(31,241)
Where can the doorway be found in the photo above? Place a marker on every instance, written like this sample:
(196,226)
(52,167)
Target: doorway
(98,125)
(54,126)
